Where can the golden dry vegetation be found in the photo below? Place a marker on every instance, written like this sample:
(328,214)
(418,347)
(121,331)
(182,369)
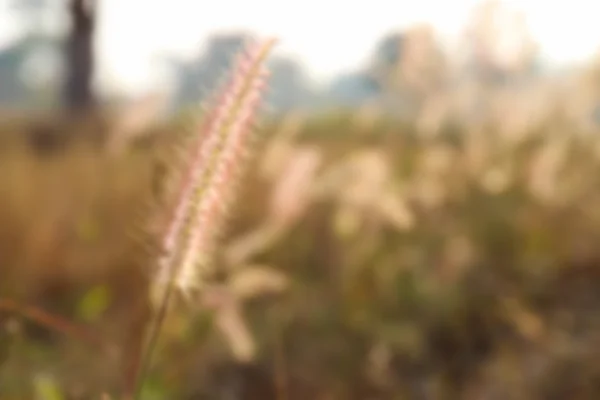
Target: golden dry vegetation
(438,258)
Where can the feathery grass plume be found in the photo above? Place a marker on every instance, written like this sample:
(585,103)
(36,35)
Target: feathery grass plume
(213,166)
(213,161)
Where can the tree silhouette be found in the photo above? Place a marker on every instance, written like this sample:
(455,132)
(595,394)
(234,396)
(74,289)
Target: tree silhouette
(408,66)
(78,94)
(25,73)
(198,77)
(289,86)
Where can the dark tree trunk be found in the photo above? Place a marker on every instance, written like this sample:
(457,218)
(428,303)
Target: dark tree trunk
(79,55)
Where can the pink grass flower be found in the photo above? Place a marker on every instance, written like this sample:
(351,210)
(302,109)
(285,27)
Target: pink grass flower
(212,169)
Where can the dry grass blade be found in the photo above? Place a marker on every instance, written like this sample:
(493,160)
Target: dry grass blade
(54,322)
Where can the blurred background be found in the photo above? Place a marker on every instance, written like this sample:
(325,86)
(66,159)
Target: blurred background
(421,221)
(329,55)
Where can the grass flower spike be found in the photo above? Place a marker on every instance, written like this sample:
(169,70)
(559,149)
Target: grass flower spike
(212,168)
(204,187)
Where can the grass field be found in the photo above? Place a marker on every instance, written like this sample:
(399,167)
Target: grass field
(365,259)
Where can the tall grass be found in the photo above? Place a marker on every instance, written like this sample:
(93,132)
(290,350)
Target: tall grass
(427,259)
(206,187)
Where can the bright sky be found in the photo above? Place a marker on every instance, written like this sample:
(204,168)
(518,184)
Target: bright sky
(327,36)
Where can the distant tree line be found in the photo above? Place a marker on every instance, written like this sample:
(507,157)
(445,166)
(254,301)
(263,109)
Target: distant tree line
(405,67)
